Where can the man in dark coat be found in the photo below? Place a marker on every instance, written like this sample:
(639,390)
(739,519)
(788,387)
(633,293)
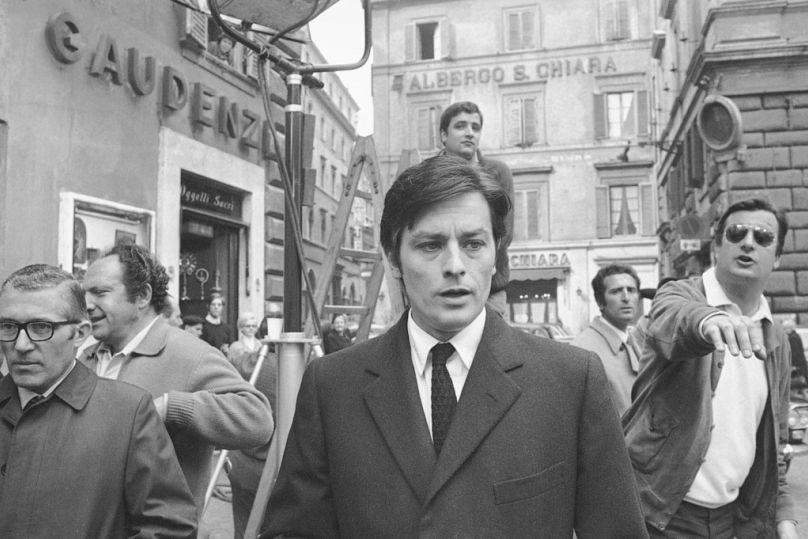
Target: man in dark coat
(453,424)
(79,456)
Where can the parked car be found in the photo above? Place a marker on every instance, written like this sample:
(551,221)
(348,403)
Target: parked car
(548,330)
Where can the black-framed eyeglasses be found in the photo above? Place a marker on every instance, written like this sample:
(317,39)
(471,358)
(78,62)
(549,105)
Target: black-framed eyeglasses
(37,330)
(737,232)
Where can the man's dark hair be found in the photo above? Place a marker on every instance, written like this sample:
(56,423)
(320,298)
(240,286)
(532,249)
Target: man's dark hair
(754,204)
(42,276)
(599,281)
(141,269)
(457,108)
(192,320)
(435,180)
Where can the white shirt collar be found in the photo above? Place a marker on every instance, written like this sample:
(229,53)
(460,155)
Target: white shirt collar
(620,333)
(716,297)
(132,344)
(26,394)
(465,342)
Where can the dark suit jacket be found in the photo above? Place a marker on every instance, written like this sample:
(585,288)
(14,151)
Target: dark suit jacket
(535,448)
(93,460)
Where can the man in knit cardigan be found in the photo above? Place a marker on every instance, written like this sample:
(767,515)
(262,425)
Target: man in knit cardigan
(202,399)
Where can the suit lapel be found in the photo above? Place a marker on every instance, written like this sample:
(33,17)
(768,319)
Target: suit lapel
(487,395)
(393,400)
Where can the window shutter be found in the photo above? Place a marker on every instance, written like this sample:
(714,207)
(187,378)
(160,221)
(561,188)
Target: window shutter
(446,38)
(513,31)
(647,227)
(196,28)
(601,128)
(528,41)
(519,217)
(623,20)
(251,65)
(530,120)
(513,113)
(604,219)
(422,129)
(434,121)
(409,42)
(642,113)
(533,214)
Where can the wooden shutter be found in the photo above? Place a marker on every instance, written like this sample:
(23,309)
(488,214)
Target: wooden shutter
(513,31)
(513,115)
(647,227)
(519,216)
(446,38)
(623,20)
(601,127)
(434,120)
(196,28)
(530,120)
(603,215)
(251,65)
(409,42)
(642,113)
(528,26)
(422,129)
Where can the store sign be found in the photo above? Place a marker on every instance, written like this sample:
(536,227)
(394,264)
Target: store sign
(208,198)
(540,260)
(551,69)
(141,74)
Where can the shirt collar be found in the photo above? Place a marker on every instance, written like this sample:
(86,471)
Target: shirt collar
(716,297)
(131,345)
(620,333)
(465,342)
(26,394)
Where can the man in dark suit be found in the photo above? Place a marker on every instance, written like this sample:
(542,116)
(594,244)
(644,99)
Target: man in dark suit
(453,424)
(79,456)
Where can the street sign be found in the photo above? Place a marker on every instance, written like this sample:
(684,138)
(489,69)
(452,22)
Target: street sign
(689,245)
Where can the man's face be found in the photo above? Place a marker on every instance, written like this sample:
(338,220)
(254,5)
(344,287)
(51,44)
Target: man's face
(462,137)
(747,261)
(113,316)
(36,365)
(446,263)
(621,300)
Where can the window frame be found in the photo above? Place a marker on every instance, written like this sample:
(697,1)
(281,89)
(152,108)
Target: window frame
(438,106)
(538,96)
(442,41)
(531,11)
(531,183)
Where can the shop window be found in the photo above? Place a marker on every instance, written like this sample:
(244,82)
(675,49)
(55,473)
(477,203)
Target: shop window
(524,120)
(621,114)
(427,128)
(616,18)
(531,209)
(520,29)
(625,210)
(533,301)
(97,226)
(427,40)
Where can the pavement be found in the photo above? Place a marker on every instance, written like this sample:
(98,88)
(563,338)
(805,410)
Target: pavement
(217,522)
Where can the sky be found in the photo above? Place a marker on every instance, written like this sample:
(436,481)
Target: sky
(339,34)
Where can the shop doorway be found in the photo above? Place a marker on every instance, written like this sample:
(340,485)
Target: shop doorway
(212,238)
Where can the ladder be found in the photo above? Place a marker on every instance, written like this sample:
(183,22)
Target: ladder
(363,160)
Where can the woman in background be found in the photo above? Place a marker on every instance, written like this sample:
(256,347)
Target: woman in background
(337,337)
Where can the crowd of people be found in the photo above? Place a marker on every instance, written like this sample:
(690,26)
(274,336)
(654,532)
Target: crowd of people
(451,424)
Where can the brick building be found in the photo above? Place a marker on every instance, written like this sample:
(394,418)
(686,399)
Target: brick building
(730,83)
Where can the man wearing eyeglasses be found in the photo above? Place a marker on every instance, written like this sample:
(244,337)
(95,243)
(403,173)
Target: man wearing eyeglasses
(710,409)
(79,456)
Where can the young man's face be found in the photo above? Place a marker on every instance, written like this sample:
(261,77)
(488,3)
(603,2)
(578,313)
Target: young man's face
(446,263)
(113,316)
(195,330)
(36,365)
(621,300)
(462,137)
(747,260)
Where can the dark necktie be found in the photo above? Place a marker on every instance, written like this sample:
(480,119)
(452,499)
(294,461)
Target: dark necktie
(443,394)
(34,401)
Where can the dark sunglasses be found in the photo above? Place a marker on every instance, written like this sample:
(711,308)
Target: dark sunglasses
(736,233)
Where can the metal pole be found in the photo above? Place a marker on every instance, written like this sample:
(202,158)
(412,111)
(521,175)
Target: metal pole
(292,312)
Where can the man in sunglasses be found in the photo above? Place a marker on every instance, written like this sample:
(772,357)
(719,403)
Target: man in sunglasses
(79,456)
(710,409)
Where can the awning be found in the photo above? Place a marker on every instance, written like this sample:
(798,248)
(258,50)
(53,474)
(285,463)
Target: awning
(537,274)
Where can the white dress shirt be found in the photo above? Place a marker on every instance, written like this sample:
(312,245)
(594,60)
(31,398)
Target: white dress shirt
(465,344)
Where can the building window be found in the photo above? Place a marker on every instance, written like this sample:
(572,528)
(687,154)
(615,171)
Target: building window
(616,20)
(621,114)
(625,210)
(310,229)
(202,32)
(323,225)
(524,120)
(322,171)
(334,181)
(427,40)
(531,211)
(520,29)
(322,128)
(427,127)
